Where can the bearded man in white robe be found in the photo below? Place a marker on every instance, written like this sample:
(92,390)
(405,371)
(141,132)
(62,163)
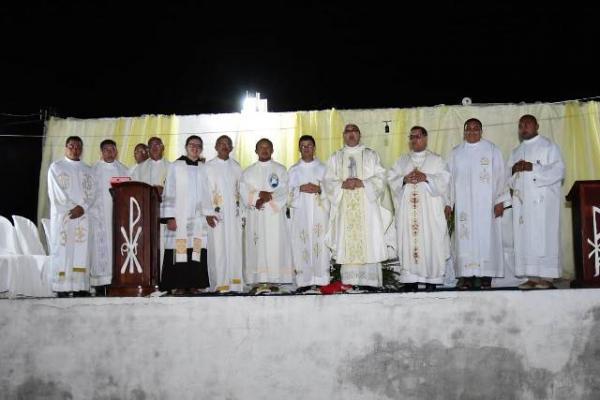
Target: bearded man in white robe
(419,181)
(71,191)
(309,213)
(536,176)
(355,185)
(102,216)
(478,195)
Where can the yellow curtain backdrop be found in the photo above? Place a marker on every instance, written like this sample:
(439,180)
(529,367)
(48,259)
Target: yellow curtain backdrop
(126,132)
(279,128)
(132,131)
(325,126)
(574,126)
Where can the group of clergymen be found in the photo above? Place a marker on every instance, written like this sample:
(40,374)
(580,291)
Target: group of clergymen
(268,229)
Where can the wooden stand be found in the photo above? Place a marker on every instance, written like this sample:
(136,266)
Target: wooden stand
(136,239)
(585,199)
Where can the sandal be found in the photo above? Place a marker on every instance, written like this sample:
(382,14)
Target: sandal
(486,282)
(544,284)
(464,283)
(527,285)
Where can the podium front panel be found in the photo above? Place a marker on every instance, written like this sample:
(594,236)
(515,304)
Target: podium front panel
(136,233)
(585,198)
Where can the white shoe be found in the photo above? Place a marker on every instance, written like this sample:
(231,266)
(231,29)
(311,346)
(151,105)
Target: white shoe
(282,289)
(312,290)
(157,294)
(355,290)
(262,289)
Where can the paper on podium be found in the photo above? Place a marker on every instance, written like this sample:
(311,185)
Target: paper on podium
(115,180)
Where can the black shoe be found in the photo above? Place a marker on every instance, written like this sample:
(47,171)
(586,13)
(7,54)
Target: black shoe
(429,287)
(81,293)
(370,289)
(101,291)
(410,287)
(63,294)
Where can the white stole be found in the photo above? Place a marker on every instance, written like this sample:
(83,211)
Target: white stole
(182,198)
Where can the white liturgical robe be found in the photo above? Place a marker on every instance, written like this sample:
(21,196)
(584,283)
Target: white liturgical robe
(152,172)
(225,240)
(356,232)
(101,215)
(421,228)
(70,184)
(536,200)
(186,198)
(478,183)
(309,214)
(268,253)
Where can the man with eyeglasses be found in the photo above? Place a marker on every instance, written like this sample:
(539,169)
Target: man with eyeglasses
(71,190)
(355,184)
(419,181)
(309,212)
(478,195)
(186,207)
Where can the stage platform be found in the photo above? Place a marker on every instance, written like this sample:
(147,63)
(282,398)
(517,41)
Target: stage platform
(441,345)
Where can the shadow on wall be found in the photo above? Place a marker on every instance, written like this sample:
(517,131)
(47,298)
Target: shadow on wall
(432,371)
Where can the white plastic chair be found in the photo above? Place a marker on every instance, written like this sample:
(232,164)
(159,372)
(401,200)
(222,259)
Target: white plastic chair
(8,238)
(28,236)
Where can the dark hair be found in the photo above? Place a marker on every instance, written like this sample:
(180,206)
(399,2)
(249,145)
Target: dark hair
(225,137)
(187,141)
(473,120)
(423,130)
(528,116)
(354,125)
(306,137)
(141,145)
(74,139)
(154,138)
(263,140)
(106,142)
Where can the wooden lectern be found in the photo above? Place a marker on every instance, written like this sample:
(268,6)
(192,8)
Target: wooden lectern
(585,199)
(136,239)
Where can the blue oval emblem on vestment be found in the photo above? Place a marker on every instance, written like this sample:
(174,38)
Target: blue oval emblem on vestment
(273,180)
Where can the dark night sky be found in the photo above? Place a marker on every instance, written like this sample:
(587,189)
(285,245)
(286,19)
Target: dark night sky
(106,60)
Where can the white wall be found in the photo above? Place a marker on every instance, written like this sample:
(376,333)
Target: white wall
(447,345)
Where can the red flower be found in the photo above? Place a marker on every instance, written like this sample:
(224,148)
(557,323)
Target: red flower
(335,287)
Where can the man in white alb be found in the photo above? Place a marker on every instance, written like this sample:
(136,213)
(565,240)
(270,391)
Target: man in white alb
(102,250)
(536,176)
(419,181)
(225,233)
(71,191)
(309,213)
(264,193)
(478,194)
(355,184)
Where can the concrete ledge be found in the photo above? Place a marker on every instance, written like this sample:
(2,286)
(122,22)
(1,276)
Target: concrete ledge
(448,345)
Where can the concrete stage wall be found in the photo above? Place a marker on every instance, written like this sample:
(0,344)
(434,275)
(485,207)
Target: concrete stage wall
(448,345)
